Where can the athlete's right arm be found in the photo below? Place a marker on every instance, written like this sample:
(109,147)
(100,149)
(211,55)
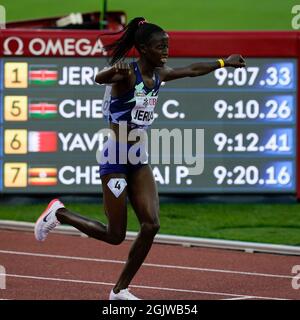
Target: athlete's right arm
(118,72)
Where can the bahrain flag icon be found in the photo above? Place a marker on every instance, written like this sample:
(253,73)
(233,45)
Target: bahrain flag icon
(42,141)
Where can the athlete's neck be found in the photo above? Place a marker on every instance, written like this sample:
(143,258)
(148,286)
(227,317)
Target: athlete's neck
(145,68)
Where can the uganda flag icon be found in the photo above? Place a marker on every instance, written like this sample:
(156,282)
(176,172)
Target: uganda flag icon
(43,75)
(42,110)
(42,176)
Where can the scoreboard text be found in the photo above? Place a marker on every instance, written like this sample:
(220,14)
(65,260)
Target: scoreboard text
(51,112)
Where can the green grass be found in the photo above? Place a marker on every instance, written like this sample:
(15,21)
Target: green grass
(171,14)
(269,223)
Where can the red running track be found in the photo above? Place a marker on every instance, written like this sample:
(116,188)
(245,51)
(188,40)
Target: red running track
(72,267)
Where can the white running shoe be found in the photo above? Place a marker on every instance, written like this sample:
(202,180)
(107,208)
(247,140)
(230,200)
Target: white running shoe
(47,221)
(122,295)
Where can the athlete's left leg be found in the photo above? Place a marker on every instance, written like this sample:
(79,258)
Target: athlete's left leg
(143,196)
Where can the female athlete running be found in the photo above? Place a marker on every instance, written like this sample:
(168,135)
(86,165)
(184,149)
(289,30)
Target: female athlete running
(134,90)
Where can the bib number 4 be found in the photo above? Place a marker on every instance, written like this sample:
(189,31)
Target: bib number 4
(117,185)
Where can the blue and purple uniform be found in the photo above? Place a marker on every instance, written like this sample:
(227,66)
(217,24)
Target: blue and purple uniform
(136,108)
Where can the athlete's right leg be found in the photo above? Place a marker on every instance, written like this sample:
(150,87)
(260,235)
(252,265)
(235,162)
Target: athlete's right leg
(115,209)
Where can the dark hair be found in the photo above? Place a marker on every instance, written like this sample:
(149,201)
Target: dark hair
(137,32)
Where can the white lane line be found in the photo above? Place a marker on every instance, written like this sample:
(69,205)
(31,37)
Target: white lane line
(146,264)
(138,286)
(240,298)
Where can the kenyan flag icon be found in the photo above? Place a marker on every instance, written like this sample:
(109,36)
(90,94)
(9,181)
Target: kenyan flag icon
(43,75)
(43,109)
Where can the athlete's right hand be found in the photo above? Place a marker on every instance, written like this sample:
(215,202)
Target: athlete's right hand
(122,68)
(115,73)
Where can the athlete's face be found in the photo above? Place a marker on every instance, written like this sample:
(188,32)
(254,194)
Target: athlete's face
(157,49)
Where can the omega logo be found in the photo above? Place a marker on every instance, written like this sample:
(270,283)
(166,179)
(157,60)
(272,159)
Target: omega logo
(15,43)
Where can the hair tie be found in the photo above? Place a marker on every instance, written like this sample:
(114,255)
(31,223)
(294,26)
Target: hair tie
(142,22)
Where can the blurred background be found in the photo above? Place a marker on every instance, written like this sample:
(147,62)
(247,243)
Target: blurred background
(171,15)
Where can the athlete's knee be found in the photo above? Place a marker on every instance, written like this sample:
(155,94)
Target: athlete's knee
(117,238)
(150,228)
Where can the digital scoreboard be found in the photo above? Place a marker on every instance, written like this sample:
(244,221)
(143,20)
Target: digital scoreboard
(51,113)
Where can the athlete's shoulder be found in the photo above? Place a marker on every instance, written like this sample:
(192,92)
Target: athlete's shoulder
(163,71)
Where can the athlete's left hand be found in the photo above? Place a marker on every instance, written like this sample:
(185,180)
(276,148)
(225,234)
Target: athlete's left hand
(235,60)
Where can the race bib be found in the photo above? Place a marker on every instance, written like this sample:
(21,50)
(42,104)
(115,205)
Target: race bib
(143,112)
(117,185)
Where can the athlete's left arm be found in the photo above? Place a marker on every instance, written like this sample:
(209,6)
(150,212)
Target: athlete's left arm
(200,68)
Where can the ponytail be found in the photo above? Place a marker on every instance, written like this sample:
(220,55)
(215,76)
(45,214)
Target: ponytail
(137,31)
